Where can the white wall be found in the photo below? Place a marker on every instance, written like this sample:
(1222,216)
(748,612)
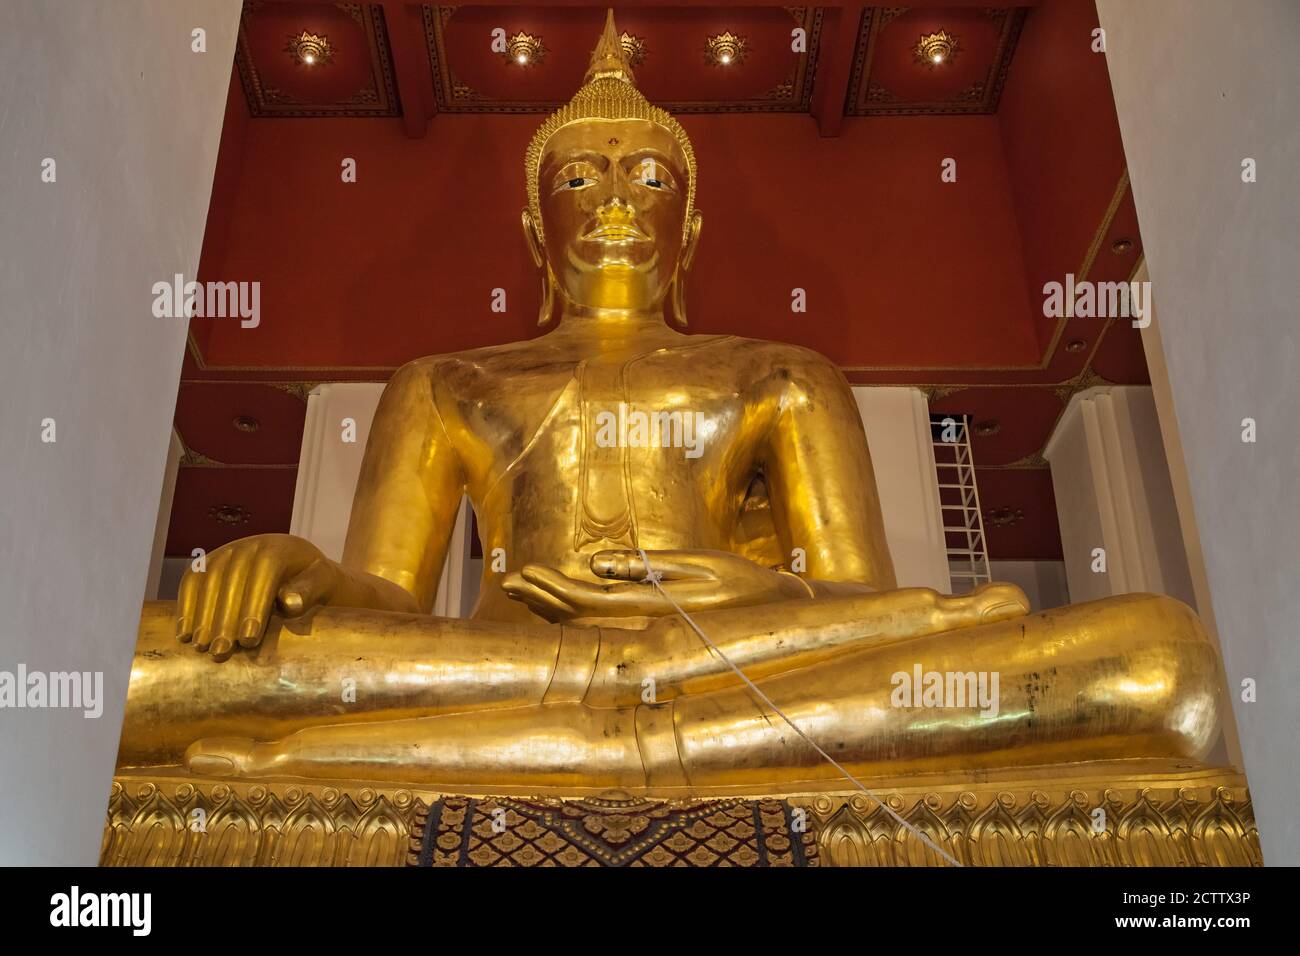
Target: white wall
(1200,85)
(897,422)
(1113,494)
(328,467)
(111,92)
(154,583)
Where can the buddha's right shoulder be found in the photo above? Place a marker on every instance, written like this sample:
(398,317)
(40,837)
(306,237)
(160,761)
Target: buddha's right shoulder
(451,369)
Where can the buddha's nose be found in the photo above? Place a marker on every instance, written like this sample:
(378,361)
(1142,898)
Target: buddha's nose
(615,212)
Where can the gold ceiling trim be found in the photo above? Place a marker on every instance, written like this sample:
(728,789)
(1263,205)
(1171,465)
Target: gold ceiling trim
(1030,462)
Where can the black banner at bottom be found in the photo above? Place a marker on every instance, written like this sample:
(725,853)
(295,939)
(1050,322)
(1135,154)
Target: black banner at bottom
(649,908)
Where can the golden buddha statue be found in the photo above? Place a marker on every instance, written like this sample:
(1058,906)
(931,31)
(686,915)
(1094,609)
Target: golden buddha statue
(610,450)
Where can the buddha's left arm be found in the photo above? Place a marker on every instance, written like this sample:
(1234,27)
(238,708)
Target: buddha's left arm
(821,484)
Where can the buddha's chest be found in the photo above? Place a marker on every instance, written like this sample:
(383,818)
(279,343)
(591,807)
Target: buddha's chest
(621,453)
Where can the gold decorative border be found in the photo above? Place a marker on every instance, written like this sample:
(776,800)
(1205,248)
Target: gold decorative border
(1193,817)
(175,822)
(1212,824)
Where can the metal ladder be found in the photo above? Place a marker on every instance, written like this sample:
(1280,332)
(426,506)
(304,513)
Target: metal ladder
(959,503)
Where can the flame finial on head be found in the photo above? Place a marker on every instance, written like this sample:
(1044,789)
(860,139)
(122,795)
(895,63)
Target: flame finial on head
(608,93)
(609,58)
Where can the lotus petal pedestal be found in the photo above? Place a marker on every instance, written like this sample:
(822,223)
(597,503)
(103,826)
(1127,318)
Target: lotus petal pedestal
(1125,813)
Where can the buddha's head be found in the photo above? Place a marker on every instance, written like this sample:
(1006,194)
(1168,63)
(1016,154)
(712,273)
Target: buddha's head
(611,218)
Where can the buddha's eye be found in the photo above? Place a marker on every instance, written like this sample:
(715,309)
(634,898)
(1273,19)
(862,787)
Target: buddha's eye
(575,176)
(653,176)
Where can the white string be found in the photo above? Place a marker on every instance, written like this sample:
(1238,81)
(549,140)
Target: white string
(655,577)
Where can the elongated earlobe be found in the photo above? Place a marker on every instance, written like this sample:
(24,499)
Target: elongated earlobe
(532,238)
(535,249)
(547,308)
(677,290)
(691,241)
(677,297)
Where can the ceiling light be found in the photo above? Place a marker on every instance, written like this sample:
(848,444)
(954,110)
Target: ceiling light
(524,49)
(1003,517)
(633,49)
(935,49)
(724,49)
(229,514)
(309,49)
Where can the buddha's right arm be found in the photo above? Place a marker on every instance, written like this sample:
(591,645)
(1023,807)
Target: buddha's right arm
(407,495)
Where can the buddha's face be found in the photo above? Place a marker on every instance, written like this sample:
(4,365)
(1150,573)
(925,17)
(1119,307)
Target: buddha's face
(613,204)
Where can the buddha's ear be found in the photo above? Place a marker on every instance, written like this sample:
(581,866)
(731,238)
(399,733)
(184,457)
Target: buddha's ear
(533,238)
(677,289)
(692,241)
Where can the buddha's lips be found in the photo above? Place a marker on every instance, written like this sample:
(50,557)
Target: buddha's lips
(616,234)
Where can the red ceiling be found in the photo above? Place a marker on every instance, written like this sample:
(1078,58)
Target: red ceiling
(887,78)
(909,279)
(470,77)
(241,422)
(358,80)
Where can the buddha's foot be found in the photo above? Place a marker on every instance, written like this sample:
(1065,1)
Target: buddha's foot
(228,757)
(988,603)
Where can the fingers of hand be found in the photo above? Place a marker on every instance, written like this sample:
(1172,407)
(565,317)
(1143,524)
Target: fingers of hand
(224,629)
(259,600)
(230,603)
(618,565)
(187,604)
(306,589)
(616,599)
(543,602)
(211,594)
(577,593)
(629,565)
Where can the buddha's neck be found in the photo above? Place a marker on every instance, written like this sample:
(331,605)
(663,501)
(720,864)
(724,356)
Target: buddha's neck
(605,323)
